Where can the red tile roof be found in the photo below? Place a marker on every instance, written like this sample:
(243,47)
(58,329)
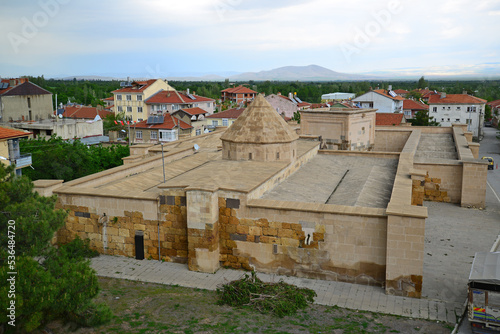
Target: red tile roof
(383,119)
(239,90)
(168,124)
(414,105)
(386,94)
(194,111)
(318,105)
(84,112)
(494,104)
(230,113)
(26,88)
(455,99)
(401,91)
(109,107)
(175,97)
(8,133)
(111,98)
(137,87)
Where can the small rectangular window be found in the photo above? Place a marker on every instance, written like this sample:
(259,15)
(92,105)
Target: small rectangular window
(277,155)
(154,135)
(249,156)
(129,109)
(225,122)
(139,109)
(139,97)
(138,134)
(129,97)
(215,123)
(119,97)
(120,108)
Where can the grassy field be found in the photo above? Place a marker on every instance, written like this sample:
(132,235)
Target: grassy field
(152,308)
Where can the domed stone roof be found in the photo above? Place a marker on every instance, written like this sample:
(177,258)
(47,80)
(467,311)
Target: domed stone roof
(259,124)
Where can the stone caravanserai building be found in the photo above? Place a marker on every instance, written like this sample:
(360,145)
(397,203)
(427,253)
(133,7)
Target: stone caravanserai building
(261,197)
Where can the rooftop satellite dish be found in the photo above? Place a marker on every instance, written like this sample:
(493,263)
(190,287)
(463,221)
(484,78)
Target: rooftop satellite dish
(60,115)
(196,147)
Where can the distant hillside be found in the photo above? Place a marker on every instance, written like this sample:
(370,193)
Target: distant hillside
(300,73)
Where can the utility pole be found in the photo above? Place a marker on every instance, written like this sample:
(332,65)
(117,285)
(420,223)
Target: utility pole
(479,125)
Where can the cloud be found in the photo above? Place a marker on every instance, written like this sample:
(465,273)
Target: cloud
(250,34)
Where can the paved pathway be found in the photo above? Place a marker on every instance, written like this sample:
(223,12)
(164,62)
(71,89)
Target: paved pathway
(453,235)
(352,296)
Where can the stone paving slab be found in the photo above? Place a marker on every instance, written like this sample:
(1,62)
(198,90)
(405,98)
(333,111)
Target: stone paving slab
(353,296)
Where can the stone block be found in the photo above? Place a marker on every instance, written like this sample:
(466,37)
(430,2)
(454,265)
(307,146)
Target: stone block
(234,221)
(270,231)
(139,227)
(242,229)
(255,230)
(123,232)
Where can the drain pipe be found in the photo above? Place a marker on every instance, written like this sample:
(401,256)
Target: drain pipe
(159,217)
(104,221)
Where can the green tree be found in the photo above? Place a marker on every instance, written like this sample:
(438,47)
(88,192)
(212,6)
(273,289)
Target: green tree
(50,282)
(58,159)
(422,119)
(422,83)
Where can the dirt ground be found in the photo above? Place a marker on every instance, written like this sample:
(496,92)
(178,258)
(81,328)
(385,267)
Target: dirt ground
(152,308)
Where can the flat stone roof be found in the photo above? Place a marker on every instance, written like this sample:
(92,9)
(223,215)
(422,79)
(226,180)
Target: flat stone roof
(202,170)
(342,180)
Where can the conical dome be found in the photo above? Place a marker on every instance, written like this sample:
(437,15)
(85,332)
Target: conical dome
(259,124)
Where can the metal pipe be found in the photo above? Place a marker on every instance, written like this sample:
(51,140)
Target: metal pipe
(163,161)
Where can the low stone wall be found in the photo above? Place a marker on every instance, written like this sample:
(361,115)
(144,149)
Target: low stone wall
(391,140)
(449,175)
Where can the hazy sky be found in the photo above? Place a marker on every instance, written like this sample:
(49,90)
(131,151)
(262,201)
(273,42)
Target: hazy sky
(167,38)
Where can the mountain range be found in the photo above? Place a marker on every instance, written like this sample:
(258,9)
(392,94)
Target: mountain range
(319,73)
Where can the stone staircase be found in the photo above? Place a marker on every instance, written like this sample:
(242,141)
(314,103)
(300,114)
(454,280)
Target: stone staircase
(434,147)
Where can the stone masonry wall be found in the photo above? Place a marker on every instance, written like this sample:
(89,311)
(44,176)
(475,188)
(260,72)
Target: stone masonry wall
(117,236)
(272,237)
(261,231)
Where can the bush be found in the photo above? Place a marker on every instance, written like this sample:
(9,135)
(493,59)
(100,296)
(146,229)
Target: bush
(79,249)
(280,298)
(92,315)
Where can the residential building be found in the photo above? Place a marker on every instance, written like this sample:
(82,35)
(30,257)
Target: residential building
(458,108)
(159,129)
(426,93)
(130,100)
(382,100)
(282,104)
(223,118)
(238,94)
(171,101)
(411,107)
(83,112)
(338,96)
(109,101)
(389,119)
(66,128)
(9,148)
(22,100)
(194,117)
(401,92)
(495,107)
